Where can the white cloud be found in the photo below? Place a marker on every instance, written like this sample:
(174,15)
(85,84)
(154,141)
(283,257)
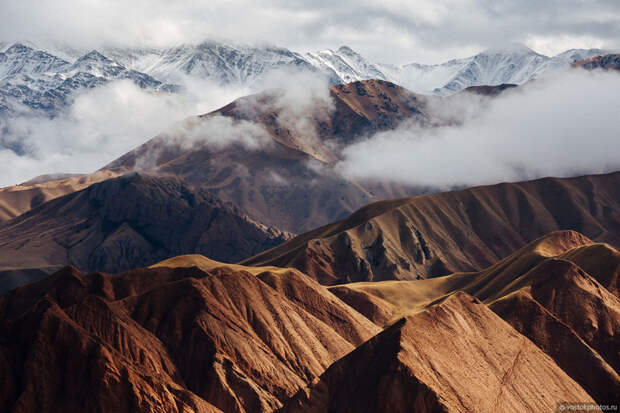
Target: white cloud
(100,125)
(392,31)
(559,126)
(103,123)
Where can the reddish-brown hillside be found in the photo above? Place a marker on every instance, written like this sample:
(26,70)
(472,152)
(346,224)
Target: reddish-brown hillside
(192,334)
(170,339)
(457,356)
(433,235)
(567,312)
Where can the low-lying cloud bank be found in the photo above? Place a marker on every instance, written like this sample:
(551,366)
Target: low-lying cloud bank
(103,123)
(289,95)
(100,125)
(561,126)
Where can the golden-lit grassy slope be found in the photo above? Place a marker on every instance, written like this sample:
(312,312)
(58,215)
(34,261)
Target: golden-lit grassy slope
(438,234)
(206,264)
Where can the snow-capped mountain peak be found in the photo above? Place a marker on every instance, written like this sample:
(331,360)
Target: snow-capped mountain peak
(97,64)
(45,82)
(345,65)
(20,59)
(516,64)
(39,80)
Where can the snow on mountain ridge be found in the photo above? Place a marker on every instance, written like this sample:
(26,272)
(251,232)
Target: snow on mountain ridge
(224,64)
(18,59)
(345,65)
(43,81)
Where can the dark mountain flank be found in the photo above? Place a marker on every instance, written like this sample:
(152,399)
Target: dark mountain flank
(128,222)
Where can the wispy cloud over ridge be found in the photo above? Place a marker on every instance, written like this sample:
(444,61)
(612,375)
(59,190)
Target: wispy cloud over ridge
(560,126)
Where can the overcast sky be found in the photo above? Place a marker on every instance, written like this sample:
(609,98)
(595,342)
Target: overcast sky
(394,31)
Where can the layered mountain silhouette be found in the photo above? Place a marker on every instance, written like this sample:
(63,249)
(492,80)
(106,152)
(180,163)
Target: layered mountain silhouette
(127,222)
(432,235)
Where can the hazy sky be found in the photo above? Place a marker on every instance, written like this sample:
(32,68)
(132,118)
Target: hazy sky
(395,31)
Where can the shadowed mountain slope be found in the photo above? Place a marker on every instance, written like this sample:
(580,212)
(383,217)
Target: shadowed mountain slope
(433,235)
(128,222)
(169,339)
(490,90)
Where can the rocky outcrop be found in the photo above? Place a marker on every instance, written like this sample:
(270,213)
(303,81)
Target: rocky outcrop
(605,62)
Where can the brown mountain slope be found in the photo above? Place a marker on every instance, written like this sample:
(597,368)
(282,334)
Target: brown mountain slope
(357,109)
(273,158)
(15,200)
(552,301)
(457,356)
(606,62)
(128,222)
(169,339)
(580,341)
(464,230)
(498,280)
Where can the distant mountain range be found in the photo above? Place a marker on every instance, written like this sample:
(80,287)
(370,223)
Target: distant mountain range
(44,78)
(37,80)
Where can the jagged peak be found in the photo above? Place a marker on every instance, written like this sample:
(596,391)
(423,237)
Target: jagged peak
(94,55)
(18,48)
(347,50)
